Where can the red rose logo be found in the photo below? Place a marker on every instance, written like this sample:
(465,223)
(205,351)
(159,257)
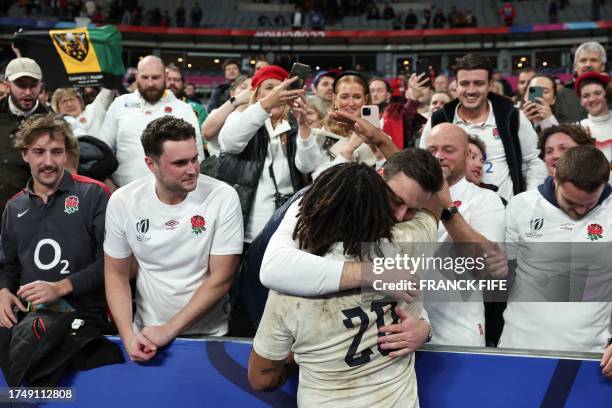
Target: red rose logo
(168,109)
(197,224)
(457,203)
(594,232)
(71,204)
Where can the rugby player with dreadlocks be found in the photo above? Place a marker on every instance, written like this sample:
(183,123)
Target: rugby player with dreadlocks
(347,205)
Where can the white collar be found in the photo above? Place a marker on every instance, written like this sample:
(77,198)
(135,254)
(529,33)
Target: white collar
(18,112)
(489,122)
(280,128)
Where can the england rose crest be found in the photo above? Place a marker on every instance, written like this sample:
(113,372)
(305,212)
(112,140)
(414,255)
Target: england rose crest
(71,204)
(197,224)
(595,232)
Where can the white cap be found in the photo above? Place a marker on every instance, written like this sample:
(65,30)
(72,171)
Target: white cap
(21,67)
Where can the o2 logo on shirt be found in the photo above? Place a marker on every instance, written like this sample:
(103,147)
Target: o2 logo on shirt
(57,255)
(488,167)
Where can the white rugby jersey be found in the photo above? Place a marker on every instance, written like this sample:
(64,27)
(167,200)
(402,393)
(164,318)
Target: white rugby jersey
(125,120)
(334,340)
(172,244)
(462,323)
(531,218)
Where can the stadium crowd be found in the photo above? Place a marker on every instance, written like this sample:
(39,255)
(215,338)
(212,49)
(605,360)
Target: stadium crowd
(158,218)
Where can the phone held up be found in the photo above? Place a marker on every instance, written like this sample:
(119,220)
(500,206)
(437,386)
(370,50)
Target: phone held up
(302,71)
(534,93)
(371,113)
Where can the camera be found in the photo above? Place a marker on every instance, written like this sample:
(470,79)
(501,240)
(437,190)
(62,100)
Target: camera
(280,199)
(367,111)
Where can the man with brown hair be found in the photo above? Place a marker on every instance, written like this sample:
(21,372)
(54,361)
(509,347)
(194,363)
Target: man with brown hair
(513,164)
(53,230)
(220,93)
(573,206)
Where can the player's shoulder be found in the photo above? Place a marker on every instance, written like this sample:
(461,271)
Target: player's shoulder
(17,201)
(87,184)
(214,189)
(524,200)
(124,100)
(133,190)
(484,196)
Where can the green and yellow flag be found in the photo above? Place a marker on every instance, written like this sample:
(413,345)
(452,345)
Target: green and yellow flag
(75,57)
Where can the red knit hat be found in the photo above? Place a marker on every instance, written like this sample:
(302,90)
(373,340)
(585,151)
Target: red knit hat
(597,76)
(271,71)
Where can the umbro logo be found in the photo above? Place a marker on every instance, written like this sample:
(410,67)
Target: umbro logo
(22,213)
(172,224)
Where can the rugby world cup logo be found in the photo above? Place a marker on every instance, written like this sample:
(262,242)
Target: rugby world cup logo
(142,227)
(536,224)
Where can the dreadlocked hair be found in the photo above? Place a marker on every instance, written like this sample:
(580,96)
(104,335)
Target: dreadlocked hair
(347,203)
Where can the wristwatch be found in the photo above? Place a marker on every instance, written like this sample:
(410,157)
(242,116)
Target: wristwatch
(232,101)
(448,213)
(430,334)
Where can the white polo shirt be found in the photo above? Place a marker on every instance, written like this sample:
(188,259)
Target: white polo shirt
(125,120)
(532,220)
(172,244)
(462,322)
(496,169)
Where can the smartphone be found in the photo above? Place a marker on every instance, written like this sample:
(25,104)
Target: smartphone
(422,67)
(371,113)
(302,71)
(535,92)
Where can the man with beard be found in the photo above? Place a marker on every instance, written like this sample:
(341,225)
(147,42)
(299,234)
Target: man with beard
(176,83)
(185,231)
(129,114)
(53,230)
(23,80)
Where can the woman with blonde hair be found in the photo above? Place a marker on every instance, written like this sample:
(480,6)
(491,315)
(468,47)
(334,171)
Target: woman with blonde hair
(334,142)
(84,120)
(258,148)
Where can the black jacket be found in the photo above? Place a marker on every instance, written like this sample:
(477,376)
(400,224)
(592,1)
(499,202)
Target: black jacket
(44,344)
(255,293)
(242,171)
(14,172)
(219,95)
(507,121)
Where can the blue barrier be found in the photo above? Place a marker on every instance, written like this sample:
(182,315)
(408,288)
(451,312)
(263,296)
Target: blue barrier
(200,373)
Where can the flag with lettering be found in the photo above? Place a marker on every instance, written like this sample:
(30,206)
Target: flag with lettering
(76,57)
